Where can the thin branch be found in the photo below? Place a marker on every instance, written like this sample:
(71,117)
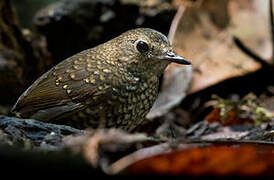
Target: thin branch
(272,27)
(125,161)
(175,22)
(250,53)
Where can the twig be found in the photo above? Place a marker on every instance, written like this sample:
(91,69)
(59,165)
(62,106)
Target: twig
(137,155)
(143,153)
(272,27)
(250,53)
(175,22)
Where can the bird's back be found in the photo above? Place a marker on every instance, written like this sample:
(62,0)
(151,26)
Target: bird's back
(62,89)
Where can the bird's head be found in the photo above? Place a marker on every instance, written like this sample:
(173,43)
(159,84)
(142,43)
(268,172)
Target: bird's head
(145,49)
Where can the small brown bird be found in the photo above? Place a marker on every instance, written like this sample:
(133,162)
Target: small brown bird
(111,85)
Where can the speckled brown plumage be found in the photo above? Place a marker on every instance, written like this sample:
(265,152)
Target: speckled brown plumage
(112,85)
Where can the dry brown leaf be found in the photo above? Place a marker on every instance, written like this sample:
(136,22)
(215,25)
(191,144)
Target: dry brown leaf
(205,36)
(250,23)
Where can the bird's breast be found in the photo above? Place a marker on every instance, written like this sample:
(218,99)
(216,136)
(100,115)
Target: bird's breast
(130,104)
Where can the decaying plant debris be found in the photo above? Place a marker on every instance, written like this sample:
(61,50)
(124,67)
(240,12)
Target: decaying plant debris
(216,117)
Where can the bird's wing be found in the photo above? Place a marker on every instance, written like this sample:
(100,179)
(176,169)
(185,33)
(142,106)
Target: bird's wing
(65,88)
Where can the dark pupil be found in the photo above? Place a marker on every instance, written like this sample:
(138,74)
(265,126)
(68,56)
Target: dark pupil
(142,47)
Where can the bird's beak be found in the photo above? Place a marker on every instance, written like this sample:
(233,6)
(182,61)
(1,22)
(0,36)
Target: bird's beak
(173,57)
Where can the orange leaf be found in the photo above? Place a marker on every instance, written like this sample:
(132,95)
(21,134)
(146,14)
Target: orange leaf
(230,118)
(221,160)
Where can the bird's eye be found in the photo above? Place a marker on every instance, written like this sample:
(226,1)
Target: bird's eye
(142,47)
